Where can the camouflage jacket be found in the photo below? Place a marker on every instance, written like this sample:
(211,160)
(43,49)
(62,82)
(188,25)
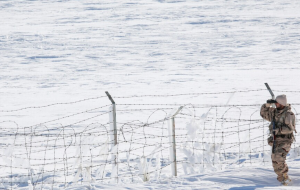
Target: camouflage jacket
(284,119)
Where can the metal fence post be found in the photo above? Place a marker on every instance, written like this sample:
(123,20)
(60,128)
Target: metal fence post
(114,128)
(173,141)
(114,117)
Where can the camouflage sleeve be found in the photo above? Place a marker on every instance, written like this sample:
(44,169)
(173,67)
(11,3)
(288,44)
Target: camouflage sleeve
(266,112)
(289,126)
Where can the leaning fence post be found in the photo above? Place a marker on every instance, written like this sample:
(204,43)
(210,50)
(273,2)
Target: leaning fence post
(113,128)
(173,142)
(114,117)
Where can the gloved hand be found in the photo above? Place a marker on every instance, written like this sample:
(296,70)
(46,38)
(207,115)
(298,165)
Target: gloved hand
(270,141)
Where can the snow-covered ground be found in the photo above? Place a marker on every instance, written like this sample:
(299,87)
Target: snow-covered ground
(64,51)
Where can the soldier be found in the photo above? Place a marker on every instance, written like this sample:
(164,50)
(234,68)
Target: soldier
(285,125)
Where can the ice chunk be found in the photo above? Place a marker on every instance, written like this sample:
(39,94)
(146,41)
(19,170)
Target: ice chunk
(192,128)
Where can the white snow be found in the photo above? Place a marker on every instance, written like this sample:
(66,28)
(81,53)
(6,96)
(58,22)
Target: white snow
(59,52)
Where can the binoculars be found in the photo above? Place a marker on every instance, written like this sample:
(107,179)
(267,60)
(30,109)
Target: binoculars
(270,101)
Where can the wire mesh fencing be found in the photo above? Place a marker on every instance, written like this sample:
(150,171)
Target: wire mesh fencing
(55,154)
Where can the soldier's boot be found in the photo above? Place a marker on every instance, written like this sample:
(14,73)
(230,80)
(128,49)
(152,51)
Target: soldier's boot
(286,180)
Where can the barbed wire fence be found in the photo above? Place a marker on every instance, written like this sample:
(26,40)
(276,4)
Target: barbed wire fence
(134,143)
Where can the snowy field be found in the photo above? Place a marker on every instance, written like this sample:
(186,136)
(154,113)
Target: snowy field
(213,57)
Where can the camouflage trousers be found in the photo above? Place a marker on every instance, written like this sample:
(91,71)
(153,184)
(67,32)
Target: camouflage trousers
(282,148)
